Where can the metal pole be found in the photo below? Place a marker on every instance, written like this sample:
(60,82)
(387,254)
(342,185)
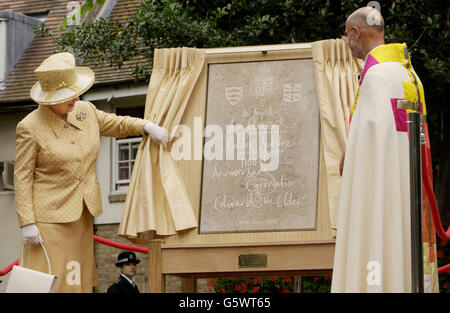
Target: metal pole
(416,202)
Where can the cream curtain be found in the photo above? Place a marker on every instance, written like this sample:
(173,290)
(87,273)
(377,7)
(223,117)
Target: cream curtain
(336,75)
(157,202)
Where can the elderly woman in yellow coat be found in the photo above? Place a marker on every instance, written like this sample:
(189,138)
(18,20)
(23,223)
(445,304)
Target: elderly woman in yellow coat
(56,188)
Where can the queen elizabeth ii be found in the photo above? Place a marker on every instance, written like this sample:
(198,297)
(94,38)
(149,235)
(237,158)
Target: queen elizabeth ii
(56,188)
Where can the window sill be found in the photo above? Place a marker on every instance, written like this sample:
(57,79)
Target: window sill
(117,197)
(6,192)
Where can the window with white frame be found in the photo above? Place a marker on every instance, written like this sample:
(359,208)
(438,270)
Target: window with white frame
(6,175)
(124,152)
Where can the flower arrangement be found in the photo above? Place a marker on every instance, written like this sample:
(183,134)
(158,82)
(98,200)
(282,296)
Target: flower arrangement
(274,284)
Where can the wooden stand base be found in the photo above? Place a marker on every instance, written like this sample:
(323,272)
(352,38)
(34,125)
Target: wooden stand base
(191,262)
(156,282)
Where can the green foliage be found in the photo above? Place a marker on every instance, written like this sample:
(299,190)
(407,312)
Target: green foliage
(87,6)
(41,30)
(203,24)
(105,40)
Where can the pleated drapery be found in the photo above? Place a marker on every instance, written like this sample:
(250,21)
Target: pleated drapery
(336,75)
(157,202)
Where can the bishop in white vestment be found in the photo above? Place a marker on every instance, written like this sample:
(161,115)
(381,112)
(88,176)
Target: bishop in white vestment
(373,240)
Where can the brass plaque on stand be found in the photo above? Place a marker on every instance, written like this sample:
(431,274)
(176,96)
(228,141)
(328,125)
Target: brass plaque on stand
(253,260)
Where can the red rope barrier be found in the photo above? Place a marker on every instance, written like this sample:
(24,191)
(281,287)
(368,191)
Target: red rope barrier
(104,241)
(444,269)
(427,180)
(119,245)
(444,235)
(8,268)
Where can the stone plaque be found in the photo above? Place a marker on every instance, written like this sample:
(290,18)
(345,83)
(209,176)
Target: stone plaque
(261,151)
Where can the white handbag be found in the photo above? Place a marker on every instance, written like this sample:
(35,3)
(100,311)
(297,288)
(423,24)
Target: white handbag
(25,280)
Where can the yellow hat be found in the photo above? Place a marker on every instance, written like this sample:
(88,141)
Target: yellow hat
(59,80)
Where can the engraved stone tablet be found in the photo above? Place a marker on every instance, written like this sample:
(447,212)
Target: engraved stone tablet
(255,109)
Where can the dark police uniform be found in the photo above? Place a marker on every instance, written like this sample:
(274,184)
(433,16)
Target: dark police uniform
(122,285)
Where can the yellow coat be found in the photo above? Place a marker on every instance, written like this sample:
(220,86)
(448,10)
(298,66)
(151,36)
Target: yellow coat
(55,166)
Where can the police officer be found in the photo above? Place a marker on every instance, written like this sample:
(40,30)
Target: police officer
(127,262)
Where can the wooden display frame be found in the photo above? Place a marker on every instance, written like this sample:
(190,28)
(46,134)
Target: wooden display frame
(203,261)
(191,255)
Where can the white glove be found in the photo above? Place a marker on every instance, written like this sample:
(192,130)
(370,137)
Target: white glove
(157,133)
(31,234)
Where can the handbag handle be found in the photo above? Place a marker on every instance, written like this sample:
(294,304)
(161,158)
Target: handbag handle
(46,256)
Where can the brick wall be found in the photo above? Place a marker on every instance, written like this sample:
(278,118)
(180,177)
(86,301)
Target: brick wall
(106,257)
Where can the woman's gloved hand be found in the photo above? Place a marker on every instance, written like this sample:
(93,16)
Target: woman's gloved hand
(157,133)
(31,234)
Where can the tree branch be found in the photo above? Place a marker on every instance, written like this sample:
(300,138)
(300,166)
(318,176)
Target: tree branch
(423,32)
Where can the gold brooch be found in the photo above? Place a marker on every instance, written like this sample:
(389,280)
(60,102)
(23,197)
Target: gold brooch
(81,116)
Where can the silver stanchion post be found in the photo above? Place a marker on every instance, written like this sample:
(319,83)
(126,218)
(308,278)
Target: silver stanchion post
(415,167)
